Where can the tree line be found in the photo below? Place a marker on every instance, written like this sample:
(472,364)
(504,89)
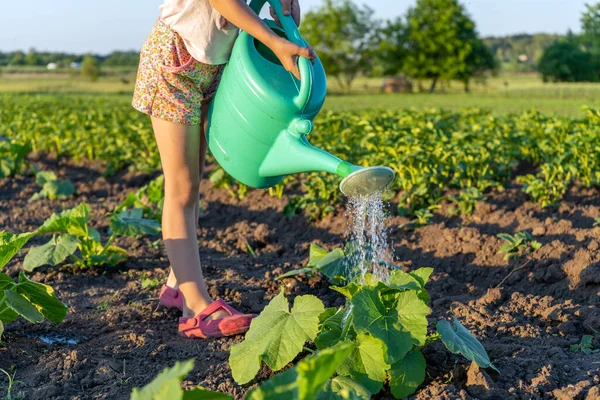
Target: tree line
(64,60)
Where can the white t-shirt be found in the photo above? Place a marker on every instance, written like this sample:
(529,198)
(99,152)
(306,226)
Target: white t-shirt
(208,36)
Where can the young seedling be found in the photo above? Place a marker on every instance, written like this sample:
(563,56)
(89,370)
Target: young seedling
(9,387)
(519,244)
(52,188)
(585,346)
(12,157)
(465,201)
(423,217)
(149,284)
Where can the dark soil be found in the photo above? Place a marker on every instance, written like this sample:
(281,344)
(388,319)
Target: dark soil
(527,325)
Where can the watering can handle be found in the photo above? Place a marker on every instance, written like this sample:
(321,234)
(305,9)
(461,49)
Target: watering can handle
(293,35)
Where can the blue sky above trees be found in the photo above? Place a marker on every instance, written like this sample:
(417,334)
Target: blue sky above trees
(100,27)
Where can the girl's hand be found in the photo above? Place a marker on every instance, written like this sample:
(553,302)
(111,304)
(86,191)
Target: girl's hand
(290,7)
(288,53)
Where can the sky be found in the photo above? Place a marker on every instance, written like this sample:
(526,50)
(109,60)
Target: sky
(81,26)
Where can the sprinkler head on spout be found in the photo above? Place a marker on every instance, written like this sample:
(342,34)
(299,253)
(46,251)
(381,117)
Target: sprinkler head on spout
(367,181)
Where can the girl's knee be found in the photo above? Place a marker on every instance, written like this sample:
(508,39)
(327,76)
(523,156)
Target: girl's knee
(182,190)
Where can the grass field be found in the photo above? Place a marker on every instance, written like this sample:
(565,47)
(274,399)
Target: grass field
(504,94)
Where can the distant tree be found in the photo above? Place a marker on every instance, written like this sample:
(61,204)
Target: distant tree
(33,58)
(342,34)
(590,24)
(18,58)
(441,39)
(122,58)
(564,61)
(390,49)
(90,67)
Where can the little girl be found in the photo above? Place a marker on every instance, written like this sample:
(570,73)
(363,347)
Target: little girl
(180,66)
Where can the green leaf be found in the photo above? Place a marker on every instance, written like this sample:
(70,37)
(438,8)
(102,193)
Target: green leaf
(305,380)
(276,336)
(54,252)
(399,328)
(295,272)
(316,254)
(44,176)
(217,176)
(331,324)
(10,244)
(401,280)
(506,237)
(22,306)
(73,221)
(407,374)
(366,364)
(422,275)
(131,223)
(459,340)
(42,297)
(155,193)
(6,282)
(535,245)
(6,313)
(348,290)
(331,264)
(343,388)
(167,385)
(58,189)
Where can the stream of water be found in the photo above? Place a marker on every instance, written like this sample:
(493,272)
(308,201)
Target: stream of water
(370,235)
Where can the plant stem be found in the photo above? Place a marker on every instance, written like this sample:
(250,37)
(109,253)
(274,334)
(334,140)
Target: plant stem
(311,351)
(511,272)
(108,243)
(349,320)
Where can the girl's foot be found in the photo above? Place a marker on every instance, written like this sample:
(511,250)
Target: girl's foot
(205,324)
(172,298)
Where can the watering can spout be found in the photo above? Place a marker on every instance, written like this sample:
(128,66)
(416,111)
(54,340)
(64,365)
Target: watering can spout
(292,153)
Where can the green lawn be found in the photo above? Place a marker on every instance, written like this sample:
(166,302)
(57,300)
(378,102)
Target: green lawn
(504,94)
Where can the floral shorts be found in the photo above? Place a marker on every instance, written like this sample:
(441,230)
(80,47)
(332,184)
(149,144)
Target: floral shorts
(171,84)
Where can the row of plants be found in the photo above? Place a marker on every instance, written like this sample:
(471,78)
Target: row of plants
(73,241)
(431,151)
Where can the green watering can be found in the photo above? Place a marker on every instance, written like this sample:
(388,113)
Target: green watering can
(261,115)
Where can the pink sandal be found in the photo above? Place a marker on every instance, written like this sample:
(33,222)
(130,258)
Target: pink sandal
(199,327)
(170,298)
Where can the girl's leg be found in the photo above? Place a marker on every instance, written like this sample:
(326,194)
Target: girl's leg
(172,280)
(178,147)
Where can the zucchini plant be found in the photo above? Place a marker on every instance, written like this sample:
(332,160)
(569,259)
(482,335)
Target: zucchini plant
(384,322)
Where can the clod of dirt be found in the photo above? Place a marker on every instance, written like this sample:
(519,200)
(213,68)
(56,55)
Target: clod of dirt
(571,392)
(481,386)
(551,274)
(253,300)
(493,297)
(593,394)
(590,275)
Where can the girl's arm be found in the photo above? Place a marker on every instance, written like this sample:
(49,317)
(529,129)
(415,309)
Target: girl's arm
(242,16)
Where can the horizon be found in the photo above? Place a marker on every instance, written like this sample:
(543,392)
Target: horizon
(78,27)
